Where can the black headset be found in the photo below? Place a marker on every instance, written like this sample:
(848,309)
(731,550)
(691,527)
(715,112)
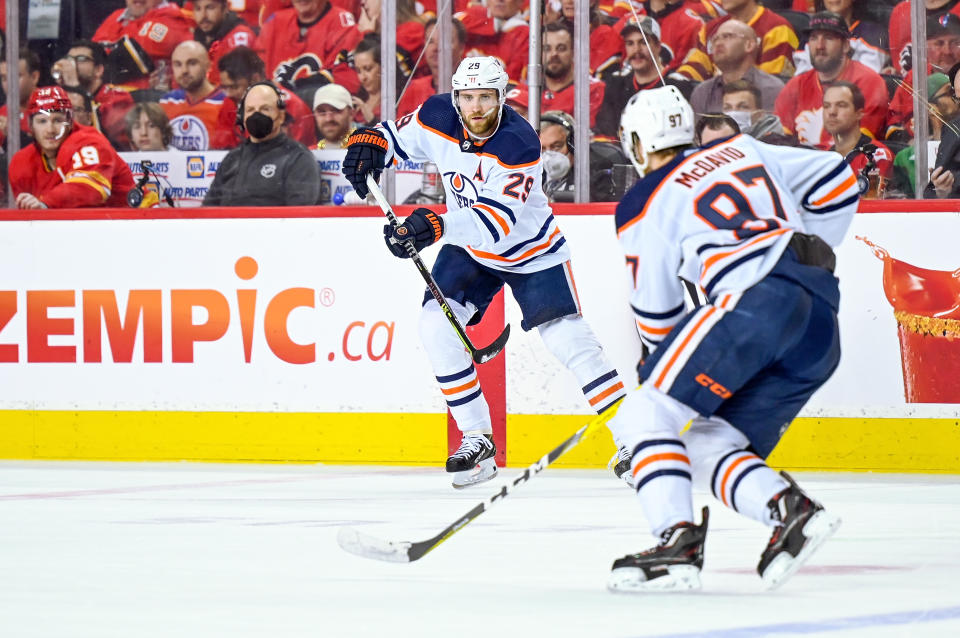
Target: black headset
(562,119)
(281,102)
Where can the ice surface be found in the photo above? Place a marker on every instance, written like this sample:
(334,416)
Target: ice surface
(143,550)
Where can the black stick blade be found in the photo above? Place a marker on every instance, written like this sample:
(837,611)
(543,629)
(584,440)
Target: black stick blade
(485,354)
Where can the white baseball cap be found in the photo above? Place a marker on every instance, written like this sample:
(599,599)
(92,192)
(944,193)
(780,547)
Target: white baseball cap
(334,95)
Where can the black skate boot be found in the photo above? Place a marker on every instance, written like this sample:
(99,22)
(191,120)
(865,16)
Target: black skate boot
(621,465)
(804,527)
(673,565)
(474,462)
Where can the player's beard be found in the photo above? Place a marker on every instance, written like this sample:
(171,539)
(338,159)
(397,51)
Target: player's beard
(484,127)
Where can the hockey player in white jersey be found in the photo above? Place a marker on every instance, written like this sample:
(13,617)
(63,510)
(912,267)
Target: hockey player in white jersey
(753,226)
(498,229)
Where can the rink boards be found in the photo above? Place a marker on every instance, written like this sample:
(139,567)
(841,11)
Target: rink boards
(291,335)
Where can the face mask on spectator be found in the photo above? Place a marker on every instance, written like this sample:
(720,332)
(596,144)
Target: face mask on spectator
(555,164)
(744,119)
(259,125)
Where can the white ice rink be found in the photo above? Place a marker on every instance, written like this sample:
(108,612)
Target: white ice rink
(181,550)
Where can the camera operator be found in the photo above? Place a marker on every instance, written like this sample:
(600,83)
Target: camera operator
(269,168)
(871,161)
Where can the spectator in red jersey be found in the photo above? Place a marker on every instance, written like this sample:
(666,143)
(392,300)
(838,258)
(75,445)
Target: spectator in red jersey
(302,47)
(868,40)
(420,88)
(606,46)
(777,41)
(68,165)
(498,30)
(148,128)
(410,31)
(29,78)
(642,70)
(899,29)
(871,161)
(84,67)
(220,31)
(943,52)
(240,69)
(558,72)
(333,112)
(800,104)
(192,108)
(679,27)
(734,48)
(156,25)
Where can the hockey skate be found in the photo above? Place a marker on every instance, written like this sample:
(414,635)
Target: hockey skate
(620,462)
(673,565)
(474,462)
(805,525)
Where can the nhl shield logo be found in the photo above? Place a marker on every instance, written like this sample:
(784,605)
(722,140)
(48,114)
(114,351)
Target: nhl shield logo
(268,170)
(465,144)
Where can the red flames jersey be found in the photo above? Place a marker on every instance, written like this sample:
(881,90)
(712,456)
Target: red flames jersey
(158,31)
(88,172)
(882,158)
(240,36)
(800,104)
(900,29)
(292,54)
(778,41)
(561,100)
(680,28)
(506,40)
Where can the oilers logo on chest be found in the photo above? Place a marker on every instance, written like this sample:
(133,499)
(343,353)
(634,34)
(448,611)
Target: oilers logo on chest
(461,188)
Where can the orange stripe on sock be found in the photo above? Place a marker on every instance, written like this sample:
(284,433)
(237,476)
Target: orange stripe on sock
(726,476)
(666,456)
(603,395)
(460,388)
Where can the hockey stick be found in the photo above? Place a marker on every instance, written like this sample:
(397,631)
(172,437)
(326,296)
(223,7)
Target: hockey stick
(479,355)
(369,546)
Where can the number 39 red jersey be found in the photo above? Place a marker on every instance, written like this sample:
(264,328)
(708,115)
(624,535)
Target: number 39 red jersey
(88,172)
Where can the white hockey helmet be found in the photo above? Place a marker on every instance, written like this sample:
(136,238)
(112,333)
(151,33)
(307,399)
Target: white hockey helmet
(655,120)
(482,72)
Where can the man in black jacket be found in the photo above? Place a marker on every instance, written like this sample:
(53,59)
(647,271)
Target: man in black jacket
(269,168)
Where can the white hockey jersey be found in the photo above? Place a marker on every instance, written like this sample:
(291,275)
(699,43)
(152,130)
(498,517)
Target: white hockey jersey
(721,216)
(496,208)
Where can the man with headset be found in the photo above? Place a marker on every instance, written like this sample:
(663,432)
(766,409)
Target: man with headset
(557,149)
(268,168)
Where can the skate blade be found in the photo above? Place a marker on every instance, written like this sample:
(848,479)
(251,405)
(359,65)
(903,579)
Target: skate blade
(818,529)
(483,472)
(631,580)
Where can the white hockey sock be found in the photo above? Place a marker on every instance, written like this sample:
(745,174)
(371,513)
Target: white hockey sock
(465,400)
(573,343)
(744,483)
(661,476)
(454,368)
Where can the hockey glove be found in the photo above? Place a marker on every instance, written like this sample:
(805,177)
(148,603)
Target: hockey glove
(366,152)
(423,227)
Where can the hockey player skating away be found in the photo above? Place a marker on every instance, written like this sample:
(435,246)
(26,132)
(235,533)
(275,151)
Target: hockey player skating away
(499,229)
(753,224)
